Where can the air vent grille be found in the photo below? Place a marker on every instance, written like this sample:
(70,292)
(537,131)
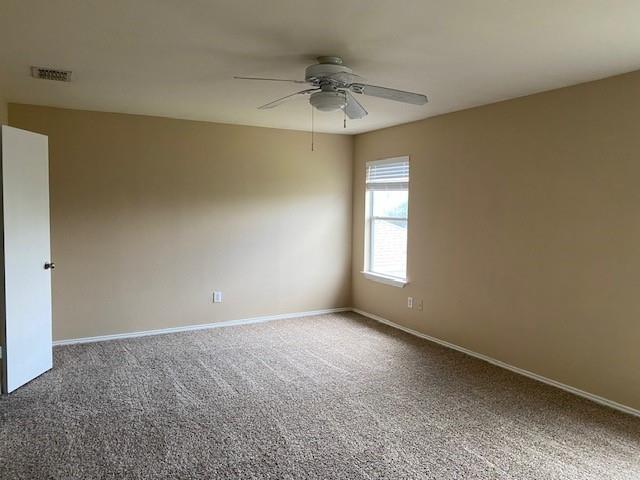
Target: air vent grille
(51,74)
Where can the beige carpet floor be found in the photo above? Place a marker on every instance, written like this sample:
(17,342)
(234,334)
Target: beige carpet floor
(334,396)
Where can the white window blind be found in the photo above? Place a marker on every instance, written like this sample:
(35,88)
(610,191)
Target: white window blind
(387,189)
(390,174)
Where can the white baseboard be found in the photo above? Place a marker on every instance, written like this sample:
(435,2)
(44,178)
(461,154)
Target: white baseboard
(526,373)
(228,323)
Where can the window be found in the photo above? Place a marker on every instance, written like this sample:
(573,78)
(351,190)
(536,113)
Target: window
(387,211)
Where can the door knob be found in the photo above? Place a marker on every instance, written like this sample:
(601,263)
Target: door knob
(48,266)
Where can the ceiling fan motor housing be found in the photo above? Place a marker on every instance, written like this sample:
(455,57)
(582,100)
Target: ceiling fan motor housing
(327,67)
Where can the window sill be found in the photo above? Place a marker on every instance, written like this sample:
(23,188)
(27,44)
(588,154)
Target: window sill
(376,277)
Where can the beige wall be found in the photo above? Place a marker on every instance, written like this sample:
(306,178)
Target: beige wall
(524,233)
(4,111)
(150,215)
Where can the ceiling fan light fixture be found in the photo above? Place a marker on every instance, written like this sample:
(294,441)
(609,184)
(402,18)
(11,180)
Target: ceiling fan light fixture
(328,101)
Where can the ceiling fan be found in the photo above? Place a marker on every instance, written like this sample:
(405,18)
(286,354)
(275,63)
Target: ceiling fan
(332,84)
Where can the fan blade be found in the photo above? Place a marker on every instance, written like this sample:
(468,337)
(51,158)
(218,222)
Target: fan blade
(389,93)
(277,102)
(271,79)
(353,108)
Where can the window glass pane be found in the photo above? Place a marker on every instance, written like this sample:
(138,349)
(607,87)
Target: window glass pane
(389,247)
(390,203)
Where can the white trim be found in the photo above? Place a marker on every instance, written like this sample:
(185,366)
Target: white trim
(526,373)
(188,328)
(376,277)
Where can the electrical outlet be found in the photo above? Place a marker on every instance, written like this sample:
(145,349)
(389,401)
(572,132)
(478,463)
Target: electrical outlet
(420,305)
(409,302)
(217,296)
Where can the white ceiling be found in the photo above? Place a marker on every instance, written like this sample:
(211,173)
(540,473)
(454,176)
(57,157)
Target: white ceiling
(177,58)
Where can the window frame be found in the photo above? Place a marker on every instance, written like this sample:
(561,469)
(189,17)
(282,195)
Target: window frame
(369,226)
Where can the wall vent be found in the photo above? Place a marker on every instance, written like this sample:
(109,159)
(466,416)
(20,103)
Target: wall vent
(51,74)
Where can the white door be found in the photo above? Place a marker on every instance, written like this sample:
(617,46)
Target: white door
(26,349)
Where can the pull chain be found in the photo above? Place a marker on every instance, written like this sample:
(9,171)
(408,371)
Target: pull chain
(344,109)
(312,128)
